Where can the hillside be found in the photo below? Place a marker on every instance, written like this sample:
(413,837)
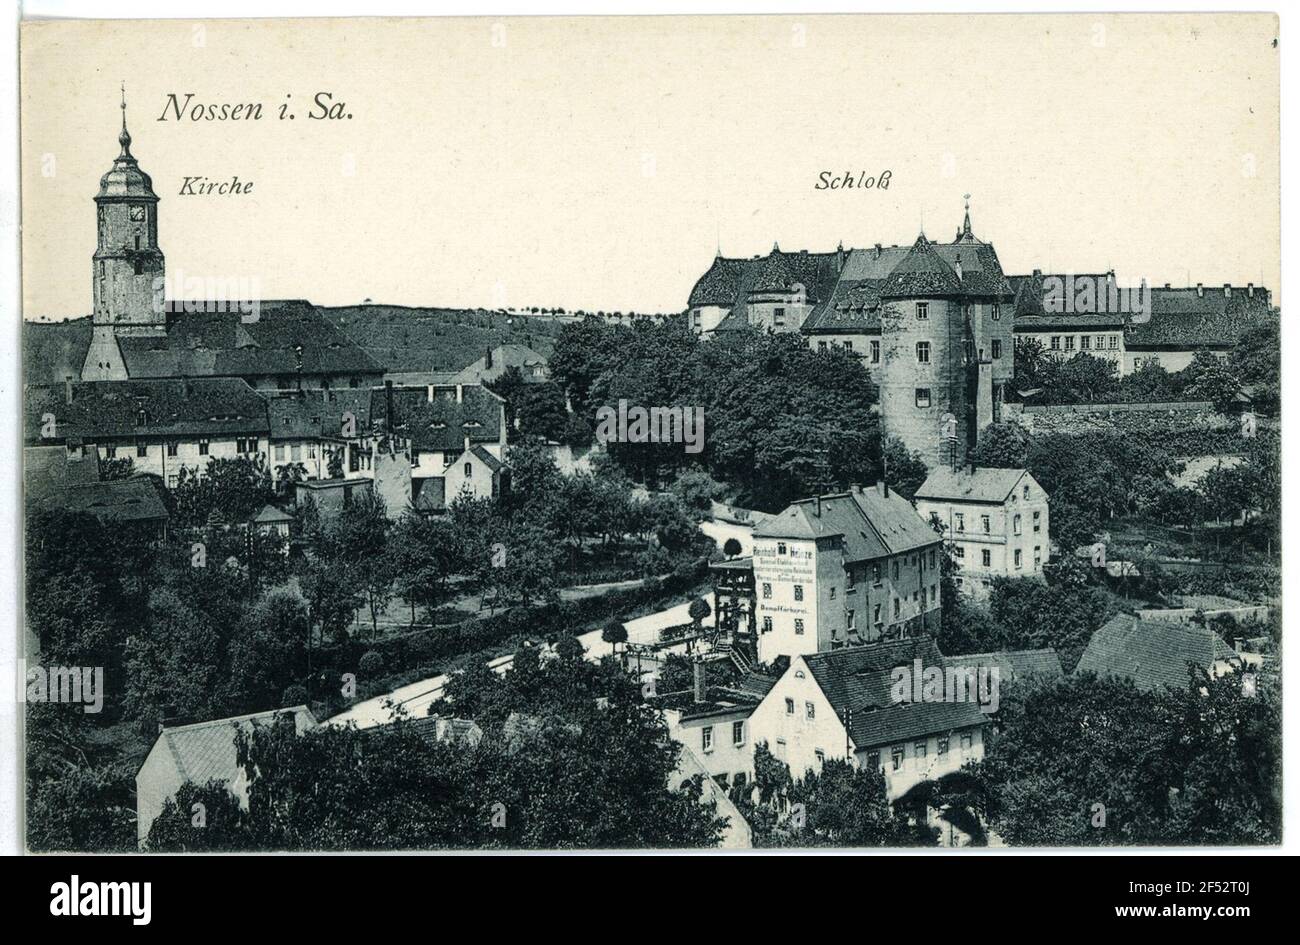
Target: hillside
(436,339)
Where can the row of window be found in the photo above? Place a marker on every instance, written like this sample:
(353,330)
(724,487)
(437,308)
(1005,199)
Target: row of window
(920,749)
(737,735)
(1086,342)
(243,445)
(920,596)
(959,521)
(923,311)
(850,575)
(986,556)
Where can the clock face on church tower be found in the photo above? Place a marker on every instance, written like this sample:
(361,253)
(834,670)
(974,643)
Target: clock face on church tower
(137,214)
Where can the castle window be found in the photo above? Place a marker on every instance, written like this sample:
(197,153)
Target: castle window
(821,346)
(997,313)
(923,396)
(1056,343)
(767,624)
(986,558)
(923,352)
(1019,562)
(997,349)
(875,352)
(1085,342)
(141,449)
(798,626)
(1069,342)
(1015,524)
(203,447)
(922,310)
(778,317)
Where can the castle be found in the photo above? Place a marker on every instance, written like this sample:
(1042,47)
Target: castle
(932,322)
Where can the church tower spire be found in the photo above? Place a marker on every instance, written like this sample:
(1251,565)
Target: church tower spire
(964,235)
(128,265)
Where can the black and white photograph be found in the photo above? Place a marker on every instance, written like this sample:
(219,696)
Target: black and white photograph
(738,433)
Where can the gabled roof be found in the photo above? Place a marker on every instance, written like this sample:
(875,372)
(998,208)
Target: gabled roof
(504,357)
(721,284)
(1152,653)
(985,484)
(270,515)
(441,424)
(1185,319)
(203,751)
(1013,664)
(871,524)
(211,343)
(137,499)
(488,459)
(205,406)
(318,414)
(49,470)
(922,272)
(858,678)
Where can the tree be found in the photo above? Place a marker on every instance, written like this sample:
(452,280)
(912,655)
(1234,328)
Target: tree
(614,633)
(199,818)
(552,731)
(1210,379)
(236,487)
(1256,360)
(358,539)
(731,548)
(698,610)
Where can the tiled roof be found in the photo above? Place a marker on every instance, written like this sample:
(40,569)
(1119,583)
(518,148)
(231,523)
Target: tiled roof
(858,678)
(204,751)
(1182,318)
(923,272)
(504,357)
(489,460)
(723,282)
(872,525)
(1152,653)
(429,494)
(223,344)
(137,499)
(443,423)
(204,406)
(986,484)
(320,413)
(1083,321)
(271,515)
(981,271)
(49,470)
(1013,664)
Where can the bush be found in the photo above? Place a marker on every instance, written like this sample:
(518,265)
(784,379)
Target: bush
(294,694)
(372,664)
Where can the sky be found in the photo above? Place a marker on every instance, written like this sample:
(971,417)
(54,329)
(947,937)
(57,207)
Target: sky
(599,163)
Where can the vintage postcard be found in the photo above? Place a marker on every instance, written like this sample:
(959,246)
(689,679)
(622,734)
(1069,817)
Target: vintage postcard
(728,432)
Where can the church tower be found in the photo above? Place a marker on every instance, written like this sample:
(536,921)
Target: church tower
(128,266)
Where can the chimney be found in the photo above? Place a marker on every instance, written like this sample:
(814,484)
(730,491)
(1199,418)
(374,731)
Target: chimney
(817,506)
(466,442)
(388,407)
(1227,290)
(460,393)
(1250,290)
(700,681)
(67,389)
(1200,290)
(882,487)
(878,250)
(1167,285)
(1038,273)
(487,360)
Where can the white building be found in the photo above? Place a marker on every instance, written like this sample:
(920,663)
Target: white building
(995,521)
(842,704)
